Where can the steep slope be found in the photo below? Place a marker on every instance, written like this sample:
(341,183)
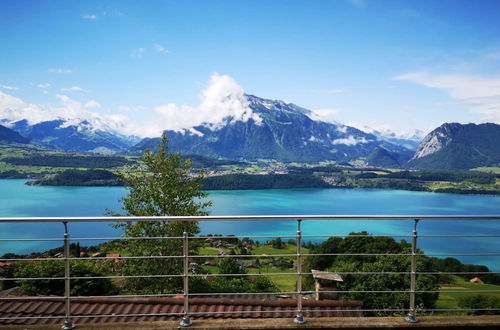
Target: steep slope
(455,146)
(9,136)
(284,132)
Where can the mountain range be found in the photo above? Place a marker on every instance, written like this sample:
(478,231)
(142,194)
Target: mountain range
(276,130)
(285,132)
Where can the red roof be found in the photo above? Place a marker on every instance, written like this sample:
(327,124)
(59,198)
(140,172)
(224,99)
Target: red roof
(164,309)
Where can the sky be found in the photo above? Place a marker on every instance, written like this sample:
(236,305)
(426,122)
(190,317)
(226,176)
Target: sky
(152,65)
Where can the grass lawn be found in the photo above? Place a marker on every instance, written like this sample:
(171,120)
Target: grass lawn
(450,299)
(285,283)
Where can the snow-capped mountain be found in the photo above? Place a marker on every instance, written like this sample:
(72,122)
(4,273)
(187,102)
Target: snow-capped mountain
(276,130)
(70,128)
(408,139)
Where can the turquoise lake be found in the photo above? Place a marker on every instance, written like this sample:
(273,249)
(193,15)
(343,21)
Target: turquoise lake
(20,200)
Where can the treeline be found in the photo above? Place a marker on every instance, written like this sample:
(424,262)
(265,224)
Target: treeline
(70,161)
(383,183)
(80,178)
(449,176)
(12,174)
(452,265)
(270,181)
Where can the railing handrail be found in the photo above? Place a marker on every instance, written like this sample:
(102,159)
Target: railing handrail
(252,218)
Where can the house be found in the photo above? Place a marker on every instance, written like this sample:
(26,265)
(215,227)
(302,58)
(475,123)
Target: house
(325,283)
(114,255)
(476,280)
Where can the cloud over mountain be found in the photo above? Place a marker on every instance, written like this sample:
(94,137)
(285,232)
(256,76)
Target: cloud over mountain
(222,101)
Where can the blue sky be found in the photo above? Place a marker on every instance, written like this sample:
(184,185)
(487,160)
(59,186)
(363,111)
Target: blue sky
(386,64)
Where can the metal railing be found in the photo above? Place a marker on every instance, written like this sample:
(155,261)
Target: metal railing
(299,256)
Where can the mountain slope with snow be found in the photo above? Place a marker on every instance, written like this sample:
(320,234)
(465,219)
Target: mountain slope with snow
(276,130)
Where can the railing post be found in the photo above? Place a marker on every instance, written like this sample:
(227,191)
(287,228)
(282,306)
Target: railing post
(186,322)
(299,318)
(412,317)
(67,287)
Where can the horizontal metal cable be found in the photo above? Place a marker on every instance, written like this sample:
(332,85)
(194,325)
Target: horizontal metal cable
(362,217)
(124,238)
(242,255)
(88,277)
(211,294)
(456,236)
(402,310)
(458,309)
(250,256)
(30,239)
(356,236)
(235,237)
(92,258)
(228,237)
(238,275)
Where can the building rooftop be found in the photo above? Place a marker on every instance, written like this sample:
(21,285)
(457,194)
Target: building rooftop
(50,310)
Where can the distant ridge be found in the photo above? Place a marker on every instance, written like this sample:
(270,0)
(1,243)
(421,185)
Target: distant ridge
(9,136)
(455,146)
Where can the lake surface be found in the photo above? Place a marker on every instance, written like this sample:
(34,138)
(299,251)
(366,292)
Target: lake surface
(20,200)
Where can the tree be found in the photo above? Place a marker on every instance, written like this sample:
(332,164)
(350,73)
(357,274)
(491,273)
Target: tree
(349,262)
(55,268)
(164,185)
(278,243)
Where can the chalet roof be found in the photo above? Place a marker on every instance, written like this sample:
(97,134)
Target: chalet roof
(322,275)
(476,280)
(108,309)
(112,255)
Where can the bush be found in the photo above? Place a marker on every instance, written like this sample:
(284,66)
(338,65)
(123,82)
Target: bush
(480,301)
(55,268)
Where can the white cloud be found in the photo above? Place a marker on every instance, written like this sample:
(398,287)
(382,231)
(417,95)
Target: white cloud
(350,141)
(90,16)
(326,115)
(13,109)
(45,92)
(223,101)
(10,88)
(92,104)
(43,85)
(72,89)
(389,131)
(60,70)
(138,52)
(479,94)
(161,49)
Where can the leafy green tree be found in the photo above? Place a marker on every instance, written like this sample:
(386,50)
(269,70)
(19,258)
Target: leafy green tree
(55,268)
(278,243)
(163,185)
(231,266)
(361,243)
